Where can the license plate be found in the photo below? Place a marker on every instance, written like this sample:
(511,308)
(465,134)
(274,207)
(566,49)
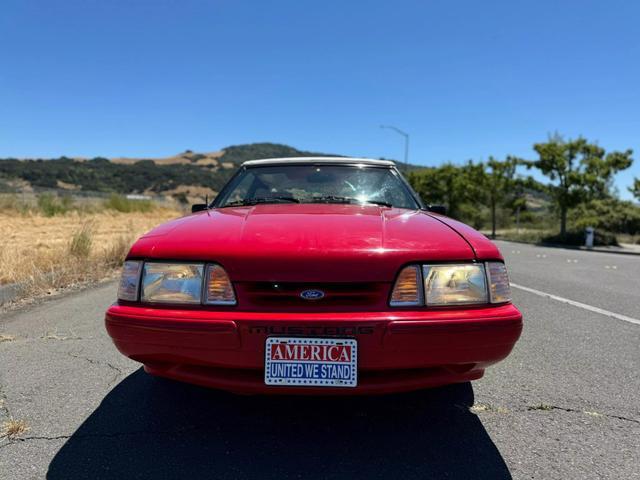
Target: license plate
(311,362)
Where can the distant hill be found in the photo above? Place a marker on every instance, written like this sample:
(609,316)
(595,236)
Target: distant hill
(185,175)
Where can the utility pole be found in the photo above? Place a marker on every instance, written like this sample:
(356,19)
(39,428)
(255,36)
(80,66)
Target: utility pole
(406,142)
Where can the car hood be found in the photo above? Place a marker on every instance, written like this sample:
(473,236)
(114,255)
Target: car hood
(307,242)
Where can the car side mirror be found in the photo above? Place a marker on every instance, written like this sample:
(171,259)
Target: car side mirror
(439,209)
(199,207)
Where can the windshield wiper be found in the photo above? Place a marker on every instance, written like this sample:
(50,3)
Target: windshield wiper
(348,200)
(261,200)
(379,202)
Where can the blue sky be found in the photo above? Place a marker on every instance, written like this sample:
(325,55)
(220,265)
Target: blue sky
(467,79)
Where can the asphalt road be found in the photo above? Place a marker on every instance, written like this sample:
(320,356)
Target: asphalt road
(564,405)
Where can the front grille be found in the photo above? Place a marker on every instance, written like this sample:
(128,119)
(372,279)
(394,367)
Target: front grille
(271,295)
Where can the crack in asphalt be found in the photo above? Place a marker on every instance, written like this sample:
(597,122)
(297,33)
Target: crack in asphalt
(546,407)
(171,433)
(105,435)
(16,440)
(3,403)
(541,407)
(118,370)
(61,338)
(480,408)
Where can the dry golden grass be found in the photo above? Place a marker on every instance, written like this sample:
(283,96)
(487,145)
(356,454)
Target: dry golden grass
(42,254)
(478,408)
(13,428)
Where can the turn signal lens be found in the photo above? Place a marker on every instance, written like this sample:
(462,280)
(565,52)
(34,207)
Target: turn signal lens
(129,281)
(454,284)
(218,290)
(499,289)
(407,290)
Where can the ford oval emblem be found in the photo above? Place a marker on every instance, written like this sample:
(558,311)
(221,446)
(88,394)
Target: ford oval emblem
(312,294)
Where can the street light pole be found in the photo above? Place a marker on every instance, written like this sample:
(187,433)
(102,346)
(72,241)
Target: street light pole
(406,142)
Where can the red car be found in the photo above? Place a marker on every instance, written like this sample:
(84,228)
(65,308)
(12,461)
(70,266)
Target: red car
(312,276)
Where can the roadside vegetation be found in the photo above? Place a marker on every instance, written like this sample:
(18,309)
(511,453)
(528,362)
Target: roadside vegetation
(50,204)
(50,243)
(124,205)
(504,199)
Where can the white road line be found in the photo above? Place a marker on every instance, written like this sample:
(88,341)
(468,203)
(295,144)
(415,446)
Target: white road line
(601,311)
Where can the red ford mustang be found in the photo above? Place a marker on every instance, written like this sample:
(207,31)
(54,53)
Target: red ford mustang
(315,275)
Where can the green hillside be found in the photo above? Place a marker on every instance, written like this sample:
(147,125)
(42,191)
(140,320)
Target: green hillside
(140,175)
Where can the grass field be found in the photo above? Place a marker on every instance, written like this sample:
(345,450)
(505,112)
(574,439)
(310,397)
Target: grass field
(44,253)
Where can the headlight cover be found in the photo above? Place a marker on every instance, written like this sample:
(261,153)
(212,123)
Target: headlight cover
(129,281)
(462,284)
(218,289)
(407,291)
(499,288)
(171,282)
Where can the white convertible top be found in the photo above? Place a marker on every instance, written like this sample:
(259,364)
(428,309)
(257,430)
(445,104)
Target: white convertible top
(315,160)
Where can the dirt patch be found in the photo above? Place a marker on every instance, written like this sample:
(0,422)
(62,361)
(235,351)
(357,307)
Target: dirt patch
(209,158)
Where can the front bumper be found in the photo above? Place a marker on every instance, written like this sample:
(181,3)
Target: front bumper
(397,351)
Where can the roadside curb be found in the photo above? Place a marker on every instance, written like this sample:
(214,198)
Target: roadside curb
(570,247)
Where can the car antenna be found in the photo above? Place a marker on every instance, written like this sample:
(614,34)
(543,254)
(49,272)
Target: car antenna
(206,200)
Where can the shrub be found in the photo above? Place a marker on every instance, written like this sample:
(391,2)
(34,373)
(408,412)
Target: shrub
(609,214)
(116,253)
(125,205)
(66,202)
(527,235)
(81,242)
(13,203)
(576,237)
(181,198)
(51,205)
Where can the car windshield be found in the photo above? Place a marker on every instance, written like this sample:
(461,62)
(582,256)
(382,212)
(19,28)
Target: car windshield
(344,184)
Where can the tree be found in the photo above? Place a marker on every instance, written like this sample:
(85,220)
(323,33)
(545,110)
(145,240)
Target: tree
(635,190)
(608,215)
(498,181)
(581,170)
(450,185)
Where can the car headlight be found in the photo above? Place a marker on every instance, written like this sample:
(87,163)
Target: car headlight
(456,284)
(171,282)
(166,282)
(129,281)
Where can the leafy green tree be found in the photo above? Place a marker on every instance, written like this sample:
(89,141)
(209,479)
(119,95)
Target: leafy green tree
(581,170)
(498,182)
(449,185)
(635,190)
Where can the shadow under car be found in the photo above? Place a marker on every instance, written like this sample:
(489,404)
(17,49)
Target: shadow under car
(153,428)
